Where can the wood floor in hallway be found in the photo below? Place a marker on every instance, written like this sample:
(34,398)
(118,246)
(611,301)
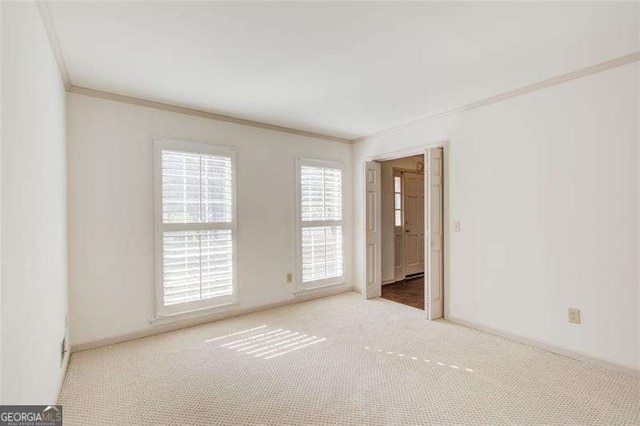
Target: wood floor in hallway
(408,292)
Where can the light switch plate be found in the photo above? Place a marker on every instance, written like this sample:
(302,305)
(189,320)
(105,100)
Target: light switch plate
(456,226)
(289,277)
(574,316)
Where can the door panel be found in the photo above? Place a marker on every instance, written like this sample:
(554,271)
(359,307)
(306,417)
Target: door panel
(371,211)
(399,267)
(413,223)
(412,243)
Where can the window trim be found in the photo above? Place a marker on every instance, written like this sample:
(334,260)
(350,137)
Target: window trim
(300,286)
(160,144)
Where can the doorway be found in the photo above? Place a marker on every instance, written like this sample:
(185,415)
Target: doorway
(405,217)
(402,203)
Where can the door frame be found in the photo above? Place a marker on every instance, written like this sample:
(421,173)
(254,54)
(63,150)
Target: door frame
(424,151)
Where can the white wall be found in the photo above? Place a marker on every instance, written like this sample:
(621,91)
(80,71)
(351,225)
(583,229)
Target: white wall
(111,210)
(34,210)
(546,188)
(388,208)
(638,195)
(1,104)
(637,120)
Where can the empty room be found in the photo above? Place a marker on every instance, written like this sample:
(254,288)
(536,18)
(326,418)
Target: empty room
(319,213)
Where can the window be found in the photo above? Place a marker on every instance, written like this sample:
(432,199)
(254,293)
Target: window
(320,224)
(195,226)
(397,198)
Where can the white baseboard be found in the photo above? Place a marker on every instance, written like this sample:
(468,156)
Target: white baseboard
(203,319)
(396,280)
(63,373)
(626,369)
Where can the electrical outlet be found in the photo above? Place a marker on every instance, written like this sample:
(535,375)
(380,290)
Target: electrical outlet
(456,226)
(289,277)
(574,316)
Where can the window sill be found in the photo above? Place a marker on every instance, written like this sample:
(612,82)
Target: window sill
(194,313)
(317,289)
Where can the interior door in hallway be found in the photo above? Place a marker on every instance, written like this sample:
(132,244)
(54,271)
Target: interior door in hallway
(413,223)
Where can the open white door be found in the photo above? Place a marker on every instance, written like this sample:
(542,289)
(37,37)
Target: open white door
(373,218)
(435,268)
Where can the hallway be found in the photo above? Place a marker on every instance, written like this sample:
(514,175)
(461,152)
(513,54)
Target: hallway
(408,292)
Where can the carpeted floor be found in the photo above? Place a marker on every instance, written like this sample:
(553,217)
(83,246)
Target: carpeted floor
(408,292)
(339,360)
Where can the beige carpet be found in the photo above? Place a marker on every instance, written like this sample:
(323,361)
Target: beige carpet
(339,360)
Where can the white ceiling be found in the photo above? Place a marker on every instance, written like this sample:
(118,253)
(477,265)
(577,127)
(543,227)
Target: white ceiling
(345,70)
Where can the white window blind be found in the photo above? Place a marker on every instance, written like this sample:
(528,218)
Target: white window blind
(320,223)
(195,226)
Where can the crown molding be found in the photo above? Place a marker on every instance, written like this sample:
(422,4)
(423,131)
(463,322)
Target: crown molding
(45,15)
(199,113)
(554,81)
